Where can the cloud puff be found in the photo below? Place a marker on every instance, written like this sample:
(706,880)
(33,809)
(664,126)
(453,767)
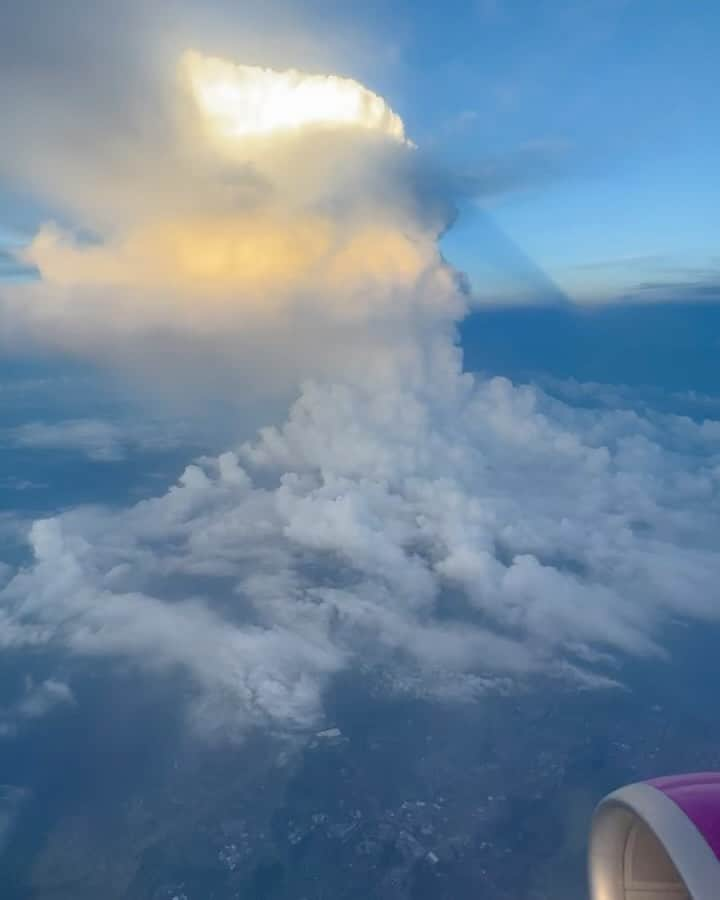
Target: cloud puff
(36,701)
(241,101)
(456,534)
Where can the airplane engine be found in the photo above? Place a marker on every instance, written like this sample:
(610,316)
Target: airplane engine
(658,840)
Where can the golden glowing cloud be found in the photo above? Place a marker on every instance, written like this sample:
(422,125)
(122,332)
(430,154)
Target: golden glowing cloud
(240,102)
(309,260)
(261,259)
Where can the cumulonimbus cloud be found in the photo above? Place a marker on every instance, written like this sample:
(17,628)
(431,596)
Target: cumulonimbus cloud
(242,102)
(451,530)
(302,231)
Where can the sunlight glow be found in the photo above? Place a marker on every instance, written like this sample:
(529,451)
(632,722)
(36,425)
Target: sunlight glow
(248,101)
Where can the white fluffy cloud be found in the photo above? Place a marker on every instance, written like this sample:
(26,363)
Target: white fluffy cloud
(241,101)
(453,533)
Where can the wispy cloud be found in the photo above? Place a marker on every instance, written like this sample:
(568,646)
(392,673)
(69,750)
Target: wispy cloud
(631,261)
(36,701)
(13,269)
(99,440)
(704,288)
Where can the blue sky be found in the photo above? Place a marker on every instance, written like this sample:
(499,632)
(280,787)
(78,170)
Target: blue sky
(619,98)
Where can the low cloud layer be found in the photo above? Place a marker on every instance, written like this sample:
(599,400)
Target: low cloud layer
(97,439)
(460,535)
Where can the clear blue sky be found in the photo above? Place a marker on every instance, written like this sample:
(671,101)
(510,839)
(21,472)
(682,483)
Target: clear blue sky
(610,105)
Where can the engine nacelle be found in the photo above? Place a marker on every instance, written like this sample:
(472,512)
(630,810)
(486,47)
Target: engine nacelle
(658,840)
